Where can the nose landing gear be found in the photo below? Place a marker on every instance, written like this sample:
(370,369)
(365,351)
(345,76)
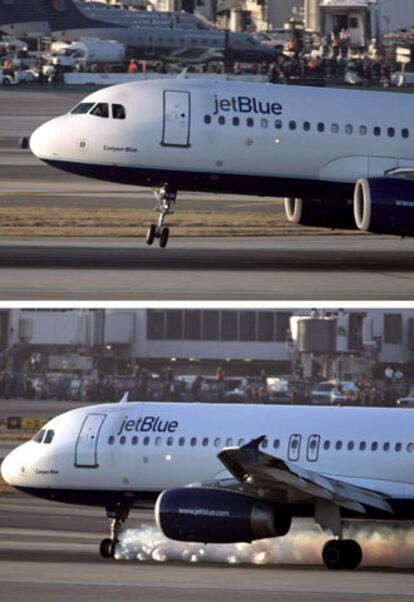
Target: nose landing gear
(165,196)
(117,516)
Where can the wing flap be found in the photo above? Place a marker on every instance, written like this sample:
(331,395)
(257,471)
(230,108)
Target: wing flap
(259,470)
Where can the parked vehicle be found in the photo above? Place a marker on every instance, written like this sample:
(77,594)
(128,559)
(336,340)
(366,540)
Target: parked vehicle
(405,402)
(331,392)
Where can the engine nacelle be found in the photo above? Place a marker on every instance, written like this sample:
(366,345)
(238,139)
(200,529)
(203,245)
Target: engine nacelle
(320,214)
(214,516)
(385,206)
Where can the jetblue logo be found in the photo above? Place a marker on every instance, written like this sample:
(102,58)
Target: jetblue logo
(246,104)
(149,424)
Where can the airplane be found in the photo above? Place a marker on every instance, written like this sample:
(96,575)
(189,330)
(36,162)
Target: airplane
(22,18)
(341,158)
(226,473)
(154,41)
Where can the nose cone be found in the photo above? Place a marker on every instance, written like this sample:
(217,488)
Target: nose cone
(45,141)
(7,468)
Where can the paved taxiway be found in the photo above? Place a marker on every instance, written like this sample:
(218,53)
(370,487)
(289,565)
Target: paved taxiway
(272,268)
(49,551)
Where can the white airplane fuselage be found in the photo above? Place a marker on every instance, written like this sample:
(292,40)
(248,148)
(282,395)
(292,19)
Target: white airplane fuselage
(130,452)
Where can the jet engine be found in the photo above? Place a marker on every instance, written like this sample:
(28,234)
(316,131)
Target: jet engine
(215,516)
(320,214)
(385,206)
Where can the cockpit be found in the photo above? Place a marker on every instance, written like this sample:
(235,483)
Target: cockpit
(44,436)
(100,109)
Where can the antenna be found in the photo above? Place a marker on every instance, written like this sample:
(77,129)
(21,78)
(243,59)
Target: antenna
(124,397)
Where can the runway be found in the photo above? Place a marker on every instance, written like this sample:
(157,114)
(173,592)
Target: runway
(252,268)
(273,268)
(49,552)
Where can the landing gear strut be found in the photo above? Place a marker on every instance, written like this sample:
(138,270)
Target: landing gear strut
(337,553)
(165,196)
(117,516)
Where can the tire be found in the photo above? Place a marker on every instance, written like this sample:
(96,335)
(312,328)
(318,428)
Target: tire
(107,548)
(352,554)
(151,232)
(165,232)
(332,555)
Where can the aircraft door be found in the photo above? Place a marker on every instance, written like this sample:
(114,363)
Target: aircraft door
(294,447)
(87,443)
(312,452)
(177,116)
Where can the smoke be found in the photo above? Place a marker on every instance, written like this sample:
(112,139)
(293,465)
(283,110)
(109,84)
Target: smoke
(382,545)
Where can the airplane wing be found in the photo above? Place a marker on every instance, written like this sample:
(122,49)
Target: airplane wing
(280,480)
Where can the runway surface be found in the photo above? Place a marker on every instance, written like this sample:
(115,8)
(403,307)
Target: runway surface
(49,551)
(311,267)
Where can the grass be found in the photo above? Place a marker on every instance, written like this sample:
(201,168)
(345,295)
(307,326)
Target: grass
(58,221)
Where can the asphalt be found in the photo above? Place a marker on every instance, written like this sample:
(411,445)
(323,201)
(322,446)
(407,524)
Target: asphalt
(50,551)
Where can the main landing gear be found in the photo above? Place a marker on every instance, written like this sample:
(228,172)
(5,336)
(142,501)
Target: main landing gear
(338,553)
(166,196)
(117,516)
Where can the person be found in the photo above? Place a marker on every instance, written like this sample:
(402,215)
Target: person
(389,374)
(132,67)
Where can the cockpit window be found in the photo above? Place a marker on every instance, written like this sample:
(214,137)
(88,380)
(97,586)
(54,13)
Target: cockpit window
(101,110)
(118,112)
(83,107)
(49,436)
(38,438)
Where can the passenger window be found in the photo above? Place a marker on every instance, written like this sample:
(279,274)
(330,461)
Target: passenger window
(326,444)
(263,445)
(122,440)
(391,132)
(170,441)
(374,446)
(292,125)
(349,129)
(157,441)
(338,445)
(49,437)
(377,131)
(410,448)
(118,112)
(217,442)
(398,447)
(101,110)
(351,445)
(335,128)
(221,120)
(82,108)
(278,124)
(264,123)
(306,126)
(38,438)
(236,121)
(405,133)
(321,127)
(146,440)
(386,446)
(207,119)
(205,441)
(193,441)
(134,440)
(362,446)
(250,122)
(181,441)
(363,130)
(229,442)
(276,444)
(241,442)
(111,440)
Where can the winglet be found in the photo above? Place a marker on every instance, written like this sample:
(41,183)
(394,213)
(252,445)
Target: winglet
(182,73)
(124,397)
(252,447)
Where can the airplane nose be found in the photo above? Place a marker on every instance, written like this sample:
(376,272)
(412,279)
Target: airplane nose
(7,468)
(45,141)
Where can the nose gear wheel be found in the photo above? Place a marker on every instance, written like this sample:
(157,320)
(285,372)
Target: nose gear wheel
(165,196)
